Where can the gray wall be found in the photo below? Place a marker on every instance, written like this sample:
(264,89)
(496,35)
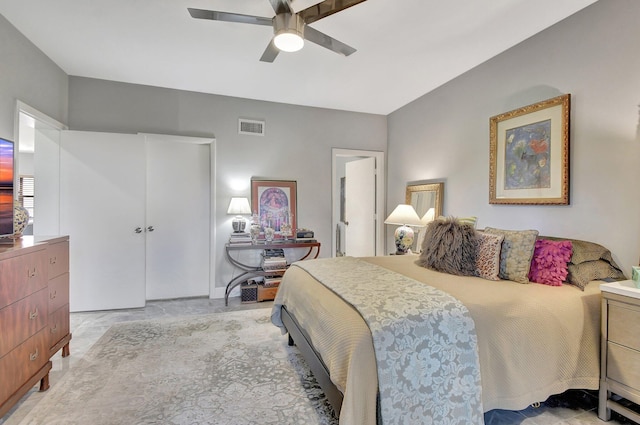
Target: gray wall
(28,75)
(594,56)
(297,145)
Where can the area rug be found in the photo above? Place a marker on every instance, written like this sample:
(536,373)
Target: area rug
(223,368)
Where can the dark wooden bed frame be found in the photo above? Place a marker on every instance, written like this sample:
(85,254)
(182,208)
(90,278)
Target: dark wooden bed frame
(299,337)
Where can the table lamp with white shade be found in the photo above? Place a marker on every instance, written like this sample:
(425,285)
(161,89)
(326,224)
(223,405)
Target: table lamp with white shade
(427,218)
(404,216)
(239,207)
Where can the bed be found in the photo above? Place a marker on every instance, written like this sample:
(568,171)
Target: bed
(531,340)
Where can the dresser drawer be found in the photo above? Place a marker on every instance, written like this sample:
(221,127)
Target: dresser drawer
(623,365)
(58,254)
(58,292)
(624,325)
(22,275)
(22,363)
(58,324)
(23,319)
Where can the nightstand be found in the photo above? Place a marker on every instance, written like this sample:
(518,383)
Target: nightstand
(620,349)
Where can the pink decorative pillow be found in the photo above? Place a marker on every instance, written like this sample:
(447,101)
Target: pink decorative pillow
(549,263)
(488,259)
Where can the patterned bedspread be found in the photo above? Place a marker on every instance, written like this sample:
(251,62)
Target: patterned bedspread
(424,341)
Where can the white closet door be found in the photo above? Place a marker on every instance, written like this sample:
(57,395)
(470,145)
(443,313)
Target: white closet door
(178,212)
(102,186)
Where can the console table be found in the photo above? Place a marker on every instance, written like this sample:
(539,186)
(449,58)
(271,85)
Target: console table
(249,270)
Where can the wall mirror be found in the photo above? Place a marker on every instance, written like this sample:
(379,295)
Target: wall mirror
(425,196)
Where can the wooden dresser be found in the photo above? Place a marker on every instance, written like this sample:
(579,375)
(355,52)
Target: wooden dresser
(34,313)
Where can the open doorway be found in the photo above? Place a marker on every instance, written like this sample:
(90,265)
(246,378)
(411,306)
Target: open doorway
(358,178)
(38,141)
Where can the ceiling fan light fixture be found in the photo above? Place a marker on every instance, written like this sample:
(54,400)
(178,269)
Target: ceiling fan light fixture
(288,42)
(289,36)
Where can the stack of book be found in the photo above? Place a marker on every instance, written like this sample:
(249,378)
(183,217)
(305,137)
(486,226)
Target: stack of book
(272,281)
(274,264)
(274,261)
(240,238)
(305,235)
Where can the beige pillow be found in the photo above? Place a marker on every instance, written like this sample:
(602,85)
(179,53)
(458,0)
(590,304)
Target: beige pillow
(517,250)
(471,220)
(488,258)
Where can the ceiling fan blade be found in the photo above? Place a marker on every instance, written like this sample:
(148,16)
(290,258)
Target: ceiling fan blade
(281,6)
(327,42)
(325,8)
(270,53)
(229,17)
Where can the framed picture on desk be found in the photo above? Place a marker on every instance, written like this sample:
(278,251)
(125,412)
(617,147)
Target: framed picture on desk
(275,203)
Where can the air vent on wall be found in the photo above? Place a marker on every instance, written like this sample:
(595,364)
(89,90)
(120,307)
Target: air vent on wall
(250,127)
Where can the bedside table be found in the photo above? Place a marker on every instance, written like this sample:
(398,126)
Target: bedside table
(620,349)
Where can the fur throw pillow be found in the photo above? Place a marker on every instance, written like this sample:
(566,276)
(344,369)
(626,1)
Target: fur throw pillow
(450,246)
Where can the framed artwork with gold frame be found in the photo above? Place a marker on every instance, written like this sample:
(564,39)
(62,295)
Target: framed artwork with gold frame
(529,154)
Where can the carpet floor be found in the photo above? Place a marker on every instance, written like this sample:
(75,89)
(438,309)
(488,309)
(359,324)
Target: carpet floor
(229,368)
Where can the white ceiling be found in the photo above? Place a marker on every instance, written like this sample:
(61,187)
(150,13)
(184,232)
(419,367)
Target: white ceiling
(405,48)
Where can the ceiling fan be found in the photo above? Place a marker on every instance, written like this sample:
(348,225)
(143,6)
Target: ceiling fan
(289,28)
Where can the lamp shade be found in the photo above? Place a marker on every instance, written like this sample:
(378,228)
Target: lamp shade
(429,216)
(239,206)
(404,214)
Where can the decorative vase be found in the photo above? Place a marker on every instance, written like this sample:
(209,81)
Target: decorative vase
(254,228)
(20,220)
(254,231)
(285,230)
(269,232)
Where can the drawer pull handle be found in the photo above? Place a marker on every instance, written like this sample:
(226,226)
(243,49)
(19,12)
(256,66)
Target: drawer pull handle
(52,295)
(33,356)
(53,260)
(33,314)
(32,273)
(54,329)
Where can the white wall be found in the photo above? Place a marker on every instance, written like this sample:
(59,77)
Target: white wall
(297,145)
(594,56)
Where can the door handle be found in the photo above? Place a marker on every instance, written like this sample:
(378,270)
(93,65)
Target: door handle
(138,230)
(150,229)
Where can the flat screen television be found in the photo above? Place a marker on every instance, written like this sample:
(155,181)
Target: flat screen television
(7,171)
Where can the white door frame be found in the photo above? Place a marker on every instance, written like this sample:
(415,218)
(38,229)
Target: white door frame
(23,108)
(380,193)
(51,187)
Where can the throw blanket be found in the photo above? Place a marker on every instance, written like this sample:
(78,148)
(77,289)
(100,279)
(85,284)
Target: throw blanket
(424,341)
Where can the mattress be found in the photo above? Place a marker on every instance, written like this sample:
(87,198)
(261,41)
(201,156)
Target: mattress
(533,340)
